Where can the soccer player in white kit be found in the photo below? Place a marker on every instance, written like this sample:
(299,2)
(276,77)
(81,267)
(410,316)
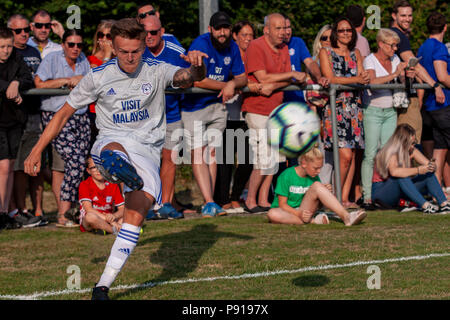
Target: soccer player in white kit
(130,106)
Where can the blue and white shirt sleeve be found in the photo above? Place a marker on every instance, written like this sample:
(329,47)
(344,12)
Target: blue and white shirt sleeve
(84,93)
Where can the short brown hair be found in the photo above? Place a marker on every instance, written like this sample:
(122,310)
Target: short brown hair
(436,22)
(400,4)
(128,28)
(5,33)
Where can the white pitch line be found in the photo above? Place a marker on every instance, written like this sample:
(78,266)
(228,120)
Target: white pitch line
(38,295)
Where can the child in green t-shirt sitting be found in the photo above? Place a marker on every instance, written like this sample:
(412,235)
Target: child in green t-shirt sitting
(299,193)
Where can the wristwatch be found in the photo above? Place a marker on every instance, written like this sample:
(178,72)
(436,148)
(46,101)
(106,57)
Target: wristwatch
(436,84)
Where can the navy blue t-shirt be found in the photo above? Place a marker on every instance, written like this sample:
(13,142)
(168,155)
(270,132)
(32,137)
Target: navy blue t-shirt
(220,66)
(170,54)
(32,58)
(404,44)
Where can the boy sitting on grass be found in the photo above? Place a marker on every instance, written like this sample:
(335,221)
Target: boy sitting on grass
(98,198)
(299,193)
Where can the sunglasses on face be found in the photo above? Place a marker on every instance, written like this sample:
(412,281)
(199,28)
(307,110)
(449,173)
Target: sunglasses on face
(148,13)
(101,35)
(19,30)
(153,32)
(41,25)
(325,38)
(344,30)
(73,44)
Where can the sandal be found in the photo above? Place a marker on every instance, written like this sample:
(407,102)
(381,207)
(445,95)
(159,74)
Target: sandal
(67,224)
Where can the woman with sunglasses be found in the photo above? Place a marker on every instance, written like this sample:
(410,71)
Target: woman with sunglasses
(380,117)
(102,50)
(318,100)
(64,69)
(322,40)
(342,63)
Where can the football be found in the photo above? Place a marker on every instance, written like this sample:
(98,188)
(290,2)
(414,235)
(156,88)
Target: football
(293,128)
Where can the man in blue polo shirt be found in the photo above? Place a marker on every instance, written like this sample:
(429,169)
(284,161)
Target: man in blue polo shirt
(162,50)
(207,113)
(436,60)
(299,54)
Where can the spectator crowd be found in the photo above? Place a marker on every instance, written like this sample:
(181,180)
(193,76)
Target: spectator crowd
(393,144)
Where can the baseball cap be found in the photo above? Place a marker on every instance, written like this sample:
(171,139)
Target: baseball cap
(220,19)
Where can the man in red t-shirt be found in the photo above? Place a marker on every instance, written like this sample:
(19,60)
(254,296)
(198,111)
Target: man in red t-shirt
(98,199)
(267,62)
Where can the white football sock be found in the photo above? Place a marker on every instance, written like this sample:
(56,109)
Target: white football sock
(122,248)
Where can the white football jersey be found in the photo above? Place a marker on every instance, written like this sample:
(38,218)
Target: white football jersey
(127,105)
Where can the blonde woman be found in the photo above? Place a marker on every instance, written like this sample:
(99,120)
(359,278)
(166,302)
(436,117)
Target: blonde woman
(322,40)
(299,193)
(380,117)
(394,177)
(102,50)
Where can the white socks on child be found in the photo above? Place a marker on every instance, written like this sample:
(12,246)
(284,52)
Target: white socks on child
(122,248)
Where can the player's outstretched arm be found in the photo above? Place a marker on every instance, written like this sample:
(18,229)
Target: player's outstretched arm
(33,163)
(185,78)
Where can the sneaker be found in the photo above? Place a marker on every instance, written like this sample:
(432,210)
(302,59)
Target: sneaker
(118,169)
(444,208)
(6,222)
(357,216)
(209,211)
(100,232)
(26,219)
(321,218)
(168,210)
(430,208)
(67,224)
(152,215)
(9,223)
(100,293)
(44,221)
(219,209)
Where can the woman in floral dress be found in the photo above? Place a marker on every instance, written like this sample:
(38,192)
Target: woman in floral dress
(343,64)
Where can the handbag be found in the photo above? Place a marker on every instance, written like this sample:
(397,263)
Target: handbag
(315,98)
(400,99)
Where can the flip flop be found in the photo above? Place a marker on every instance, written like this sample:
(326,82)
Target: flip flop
(256,209)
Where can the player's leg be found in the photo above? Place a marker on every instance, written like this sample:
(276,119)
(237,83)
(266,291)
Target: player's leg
(256,135)
(115,165)
(319,193)
(264,189)
(137,204)
(168,170)
(201,173)
(347,156)
(278,215)
(36,193)
(93,220)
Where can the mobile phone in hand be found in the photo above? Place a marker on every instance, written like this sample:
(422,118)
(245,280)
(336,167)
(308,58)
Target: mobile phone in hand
(412,62)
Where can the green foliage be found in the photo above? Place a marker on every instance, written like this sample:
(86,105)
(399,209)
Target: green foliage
(180,17)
